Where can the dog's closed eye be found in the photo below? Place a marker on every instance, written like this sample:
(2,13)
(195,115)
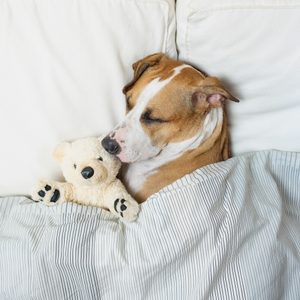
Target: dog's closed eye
(148,119)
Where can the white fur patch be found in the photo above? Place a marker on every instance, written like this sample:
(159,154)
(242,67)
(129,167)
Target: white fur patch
(139,171)
(137,144)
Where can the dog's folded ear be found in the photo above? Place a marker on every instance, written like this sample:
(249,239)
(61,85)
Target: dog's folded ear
(211,93)
(141,66)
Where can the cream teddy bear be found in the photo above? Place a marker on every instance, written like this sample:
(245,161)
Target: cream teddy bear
(90,173)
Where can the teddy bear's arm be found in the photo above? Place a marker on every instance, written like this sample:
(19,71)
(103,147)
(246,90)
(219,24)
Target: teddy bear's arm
(52,192)
(120,203)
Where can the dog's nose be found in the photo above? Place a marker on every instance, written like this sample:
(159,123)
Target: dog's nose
(111,146)
(87,172)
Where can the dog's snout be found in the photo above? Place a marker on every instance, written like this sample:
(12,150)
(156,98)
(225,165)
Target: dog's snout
(87,172)
(111,145)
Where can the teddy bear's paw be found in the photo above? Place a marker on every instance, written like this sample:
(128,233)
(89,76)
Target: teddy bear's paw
(127,210)
(48,193)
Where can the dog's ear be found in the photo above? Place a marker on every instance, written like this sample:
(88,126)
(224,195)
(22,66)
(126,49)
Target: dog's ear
(60,151)
(211,93)
(141,66)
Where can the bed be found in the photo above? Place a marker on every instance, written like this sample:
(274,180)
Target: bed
(230,230)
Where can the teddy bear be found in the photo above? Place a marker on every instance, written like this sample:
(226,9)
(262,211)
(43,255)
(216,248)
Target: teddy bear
(91,179)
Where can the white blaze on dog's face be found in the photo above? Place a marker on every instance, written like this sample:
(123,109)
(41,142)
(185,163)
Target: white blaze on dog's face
(136,143)
(171,107)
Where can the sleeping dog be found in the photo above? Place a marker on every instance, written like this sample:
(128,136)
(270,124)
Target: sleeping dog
(175,124)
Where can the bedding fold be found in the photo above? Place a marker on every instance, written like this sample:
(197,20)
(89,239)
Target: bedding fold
(230,230)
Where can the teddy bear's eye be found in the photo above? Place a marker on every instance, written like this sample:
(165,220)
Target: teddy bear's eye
(75,166)
(100,158)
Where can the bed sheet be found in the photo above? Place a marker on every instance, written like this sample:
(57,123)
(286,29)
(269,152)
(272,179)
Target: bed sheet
(230,230)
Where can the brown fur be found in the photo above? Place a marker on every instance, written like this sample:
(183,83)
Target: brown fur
(182,105)
(211,151)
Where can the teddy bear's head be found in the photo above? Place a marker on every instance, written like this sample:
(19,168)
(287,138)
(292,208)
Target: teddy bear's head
(85,162)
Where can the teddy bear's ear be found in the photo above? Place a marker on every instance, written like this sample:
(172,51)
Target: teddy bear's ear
(61,150)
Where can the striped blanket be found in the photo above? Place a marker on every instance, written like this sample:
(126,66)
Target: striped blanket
(227,231)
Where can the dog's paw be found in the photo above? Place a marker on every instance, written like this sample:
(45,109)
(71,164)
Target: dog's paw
(47,192)
(127,210)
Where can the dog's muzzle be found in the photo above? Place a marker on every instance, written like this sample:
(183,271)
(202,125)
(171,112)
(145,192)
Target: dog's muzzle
(111,145)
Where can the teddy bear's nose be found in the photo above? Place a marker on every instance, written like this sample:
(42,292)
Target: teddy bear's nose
(87,172)
(111,146)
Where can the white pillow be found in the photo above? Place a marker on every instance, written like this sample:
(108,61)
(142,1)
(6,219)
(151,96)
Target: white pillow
(63,64)
(254,46)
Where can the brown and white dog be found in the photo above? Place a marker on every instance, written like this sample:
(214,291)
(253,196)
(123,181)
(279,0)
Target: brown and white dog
(175,124)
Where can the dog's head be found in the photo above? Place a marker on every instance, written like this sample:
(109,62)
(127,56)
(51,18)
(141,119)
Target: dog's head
(168,106)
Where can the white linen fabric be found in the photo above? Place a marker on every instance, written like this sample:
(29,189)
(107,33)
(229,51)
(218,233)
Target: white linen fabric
(253,45)
(63,64)
(227,231)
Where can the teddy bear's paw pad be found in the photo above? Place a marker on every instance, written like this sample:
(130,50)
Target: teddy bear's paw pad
(46,193)
(127,210)
(49,194)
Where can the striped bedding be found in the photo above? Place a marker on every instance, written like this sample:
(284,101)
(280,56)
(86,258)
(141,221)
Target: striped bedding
(227,231)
